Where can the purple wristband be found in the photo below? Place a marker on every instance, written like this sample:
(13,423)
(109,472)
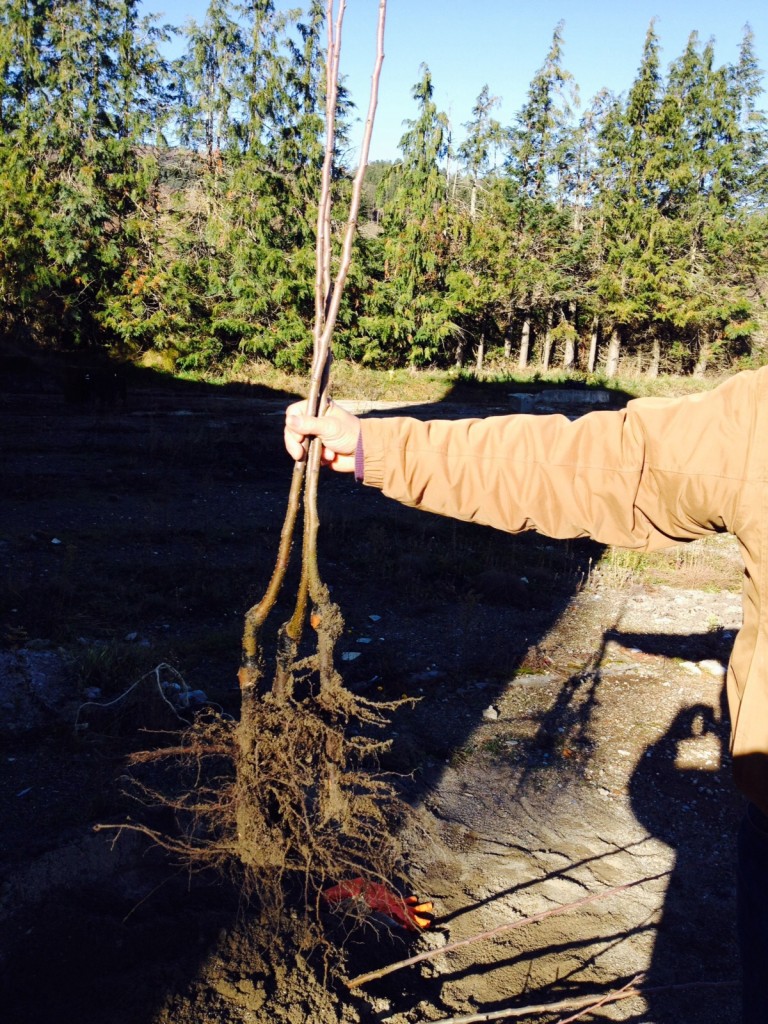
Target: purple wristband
(359,459)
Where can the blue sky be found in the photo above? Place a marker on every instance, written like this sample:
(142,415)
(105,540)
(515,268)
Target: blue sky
(501,43)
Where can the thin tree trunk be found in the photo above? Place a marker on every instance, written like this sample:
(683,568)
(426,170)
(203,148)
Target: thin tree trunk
(460,347)
(480,353)
(705,351)
(569,356)
(593,341)
(655,364)
(571,343)
(508,341)
(614,351)
(525,344)
(546,355)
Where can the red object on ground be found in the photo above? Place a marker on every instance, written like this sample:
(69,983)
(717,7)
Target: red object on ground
(408,912)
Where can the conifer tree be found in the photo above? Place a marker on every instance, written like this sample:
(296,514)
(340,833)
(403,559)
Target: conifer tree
(484,136)
(406,318)
(539,146)
(211,70)
(80,94)
(710,177)
(629,263)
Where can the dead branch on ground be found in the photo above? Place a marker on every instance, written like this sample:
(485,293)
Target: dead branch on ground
(584,1004)
(430,954)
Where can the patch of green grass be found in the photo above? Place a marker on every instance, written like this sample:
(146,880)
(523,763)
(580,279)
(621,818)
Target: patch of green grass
(110,666)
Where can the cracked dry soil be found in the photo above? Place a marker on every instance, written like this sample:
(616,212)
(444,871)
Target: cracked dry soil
(570,734)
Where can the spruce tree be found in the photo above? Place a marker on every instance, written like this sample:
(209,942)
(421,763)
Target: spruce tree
(539,145)
(629,263)
(406,318)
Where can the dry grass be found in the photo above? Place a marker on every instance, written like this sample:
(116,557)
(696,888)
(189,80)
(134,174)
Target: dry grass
(710,564)
(352,381)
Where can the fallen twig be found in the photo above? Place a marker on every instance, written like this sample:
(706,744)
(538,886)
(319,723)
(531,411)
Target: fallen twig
(528,1011)
(625,992)
(584,1004)
(363,979)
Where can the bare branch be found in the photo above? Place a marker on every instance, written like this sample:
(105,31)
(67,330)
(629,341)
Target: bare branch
(577,1003)
(323,346)
(430,954)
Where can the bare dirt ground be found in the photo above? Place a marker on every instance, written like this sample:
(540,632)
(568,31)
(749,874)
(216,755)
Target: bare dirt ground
(569,736)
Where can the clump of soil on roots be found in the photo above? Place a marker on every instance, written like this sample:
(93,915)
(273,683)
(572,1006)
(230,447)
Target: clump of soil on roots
(286,801)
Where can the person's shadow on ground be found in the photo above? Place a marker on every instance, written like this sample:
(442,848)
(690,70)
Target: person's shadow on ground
(674,778)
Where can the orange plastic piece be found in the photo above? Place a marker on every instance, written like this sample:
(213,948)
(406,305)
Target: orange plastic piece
(407,912)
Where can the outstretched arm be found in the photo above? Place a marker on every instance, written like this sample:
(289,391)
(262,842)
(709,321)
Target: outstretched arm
(659,471)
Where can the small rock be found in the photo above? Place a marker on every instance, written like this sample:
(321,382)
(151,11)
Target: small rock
(712,667)
(350,655)
(490,714)
(535,679)
(429,675)
(38,645)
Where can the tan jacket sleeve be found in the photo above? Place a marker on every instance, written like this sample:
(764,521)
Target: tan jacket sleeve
(659,471)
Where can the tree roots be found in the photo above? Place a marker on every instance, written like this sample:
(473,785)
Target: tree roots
(287,800)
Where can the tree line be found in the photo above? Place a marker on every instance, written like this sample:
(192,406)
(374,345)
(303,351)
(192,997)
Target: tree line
(168,206)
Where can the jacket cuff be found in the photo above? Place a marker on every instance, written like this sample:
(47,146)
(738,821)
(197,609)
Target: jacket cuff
(372,455)
(359,459)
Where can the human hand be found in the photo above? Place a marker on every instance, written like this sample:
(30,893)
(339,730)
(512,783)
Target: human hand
(337,429)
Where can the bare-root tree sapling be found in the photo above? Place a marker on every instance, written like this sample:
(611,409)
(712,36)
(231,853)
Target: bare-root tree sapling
(289,796)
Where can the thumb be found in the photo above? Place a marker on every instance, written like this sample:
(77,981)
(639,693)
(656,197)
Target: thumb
(308,425)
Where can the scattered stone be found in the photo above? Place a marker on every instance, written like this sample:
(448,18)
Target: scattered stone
(490,714)
(193,698)
(38,645)
(712,667)
(429,675)
(535,679)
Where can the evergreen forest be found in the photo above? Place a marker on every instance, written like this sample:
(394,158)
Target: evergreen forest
(163,206)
